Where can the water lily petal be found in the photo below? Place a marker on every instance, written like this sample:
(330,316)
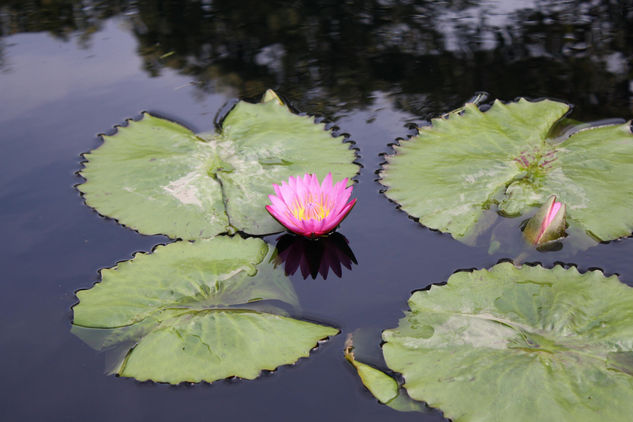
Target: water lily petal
(287,193)
(309,208)
(342,198)
(340,216)
(277,202)
(284,220)
(326,186)
(319,227)
(279,193)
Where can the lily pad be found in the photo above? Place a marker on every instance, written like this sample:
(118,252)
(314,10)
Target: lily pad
(470,161)
(519,344)
(381,385)
(196,312)
(158,177)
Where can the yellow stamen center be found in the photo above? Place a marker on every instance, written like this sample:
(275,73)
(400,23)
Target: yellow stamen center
(311,208)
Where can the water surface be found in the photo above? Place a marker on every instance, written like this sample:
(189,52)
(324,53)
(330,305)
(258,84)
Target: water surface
(70,70)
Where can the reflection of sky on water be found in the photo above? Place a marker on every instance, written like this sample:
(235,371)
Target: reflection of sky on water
(490,15)
(40,69)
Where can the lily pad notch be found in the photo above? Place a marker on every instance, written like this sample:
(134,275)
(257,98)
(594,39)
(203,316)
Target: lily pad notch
(158,177)
(505,158)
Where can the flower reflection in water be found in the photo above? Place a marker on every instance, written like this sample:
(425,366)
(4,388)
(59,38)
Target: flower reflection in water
(314,256)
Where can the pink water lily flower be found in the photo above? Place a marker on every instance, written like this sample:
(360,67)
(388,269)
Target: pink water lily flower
(309,209)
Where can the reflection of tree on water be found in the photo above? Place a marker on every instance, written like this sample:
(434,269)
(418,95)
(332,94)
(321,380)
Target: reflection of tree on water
(314,256)
(428,55)
(62,18)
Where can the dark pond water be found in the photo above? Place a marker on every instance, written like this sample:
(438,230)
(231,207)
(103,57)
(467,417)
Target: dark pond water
(71,69)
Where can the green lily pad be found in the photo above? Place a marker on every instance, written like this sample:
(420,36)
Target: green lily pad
(158,177)
(519,344)
(470,161)
(383,387)
(196,312)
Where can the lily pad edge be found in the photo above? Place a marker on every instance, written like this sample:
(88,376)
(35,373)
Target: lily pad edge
(232,379)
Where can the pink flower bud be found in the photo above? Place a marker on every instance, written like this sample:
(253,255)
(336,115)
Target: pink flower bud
(548,224)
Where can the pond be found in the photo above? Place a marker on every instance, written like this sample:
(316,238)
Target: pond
(372,70)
